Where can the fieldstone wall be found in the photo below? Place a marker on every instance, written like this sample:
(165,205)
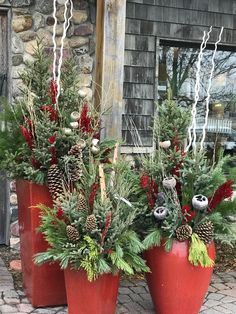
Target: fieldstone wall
(33,19)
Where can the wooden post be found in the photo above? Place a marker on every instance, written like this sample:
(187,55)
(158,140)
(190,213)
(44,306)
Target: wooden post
(111,16)
(5,70)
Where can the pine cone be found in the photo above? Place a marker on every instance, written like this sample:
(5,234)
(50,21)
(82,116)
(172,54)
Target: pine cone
(72,233)
(82,204)
(75,167)
(91,223)
(205,231)
(55,181)
(75,171)
(183,232)
(76,151)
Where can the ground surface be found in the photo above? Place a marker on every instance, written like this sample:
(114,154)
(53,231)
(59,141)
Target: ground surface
(134,297)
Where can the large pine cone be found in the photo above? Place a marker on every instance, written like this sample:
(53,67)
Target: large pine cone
(75,171)
(75,167)
(82,204)
(91,223)
(76,151)
(183,232)
(55,181)
(205,231)
(72,233)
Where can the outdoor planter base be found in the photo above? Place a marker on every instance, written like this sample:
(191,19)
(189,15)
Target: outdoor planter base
(96,297)
(44,285)
(175,285)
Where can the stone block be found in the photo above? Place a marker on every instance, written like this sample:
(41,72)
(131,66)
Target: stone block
(85,63)
(79,16)
(229,292)
(211,303)
(92,46)
(87,92)
(13,196)
(20,11)
(124,290)
(30,46)
(61,2)
(16,265)
(60,14)
(65,42)
(50,20)
(76,42)
(230,306)
(81,50)
(85,80)
(22,3)
(215,296)
(15,75)
(28,35)
(44,6)
(17,45)
(17,59)
(12,301)
(24,307)
(28,58)
(7,309)
(17,84)
(15,229)
(22,23)
(39,21)
(83,29)
(80,4)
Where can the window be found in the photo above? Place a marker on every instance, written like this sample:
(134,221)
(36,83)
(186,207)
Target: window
(177,72)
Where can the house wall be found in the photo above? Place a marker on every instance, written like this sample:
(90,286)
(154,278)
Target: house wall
(33,19)
(148,22)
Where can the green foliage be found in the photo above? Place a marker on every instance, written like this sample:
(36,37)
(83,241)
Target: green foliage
(112,245)
(194,174)
(33,136)
(199,177)
(152,239)
(36,76)
(10,137)
(171,121)
(224,231)
(198,255)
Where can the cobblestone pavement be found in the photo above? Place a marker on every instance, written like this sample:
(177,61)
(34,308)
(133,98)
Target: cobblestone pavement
(133,297)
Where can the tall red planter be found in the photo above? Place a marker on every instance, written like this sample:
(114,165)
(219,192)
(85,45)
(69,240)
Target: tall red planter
(44,285)
(175,285)
(96,297)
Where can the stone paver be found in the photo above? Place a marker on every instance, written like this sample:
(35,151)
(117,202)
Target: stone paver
(133,298)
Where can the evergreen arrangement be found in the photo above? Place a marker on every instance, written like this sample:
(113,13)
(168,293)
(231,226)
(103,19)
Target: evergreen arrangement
(54,139)
(184,195)
(40,129)
(90,226)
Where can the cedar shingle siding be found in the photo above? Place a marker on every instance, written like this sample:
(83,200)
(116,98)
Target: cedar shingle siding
(147,22)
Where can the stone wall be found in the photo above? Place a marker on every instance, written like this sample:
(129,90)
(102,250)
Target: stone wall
(32,19)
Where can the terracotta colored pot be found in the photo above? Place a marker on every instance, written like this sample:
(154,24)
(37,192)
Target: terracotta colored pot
(176,286)
(96,297)
(44,285)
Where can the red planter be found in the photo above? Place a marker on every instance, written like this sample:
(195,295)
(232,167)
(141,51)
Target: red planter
(44,285)
(175,285)
(96,297)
